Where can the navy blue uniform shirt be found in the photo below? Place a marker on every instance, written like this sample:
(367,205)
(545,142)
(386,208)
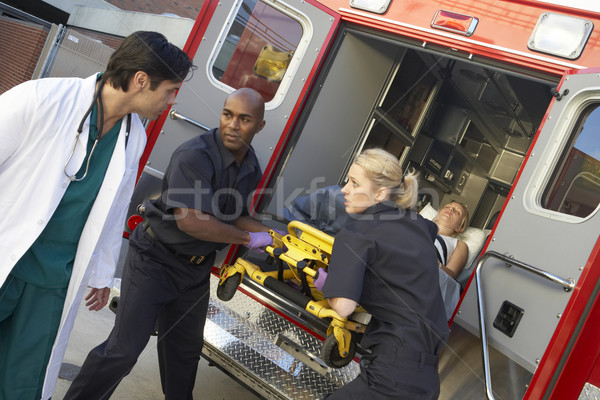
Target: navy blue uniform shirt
(385,260)
(202,175)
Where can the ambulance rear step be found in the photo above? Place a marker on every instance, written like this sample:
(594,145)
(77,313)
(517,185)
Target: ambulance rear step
(271,355)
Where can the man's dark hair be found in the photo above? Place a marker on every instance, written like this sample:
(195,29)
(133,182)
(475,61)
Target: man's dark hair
(151,53)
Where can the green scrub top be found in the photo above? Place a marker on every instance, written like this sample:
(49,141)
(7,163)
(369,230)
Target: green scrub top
(49,261)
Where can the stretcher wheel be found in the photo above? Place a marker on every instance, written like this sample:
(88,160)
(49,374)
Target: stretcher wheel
(227,289)
(331,355)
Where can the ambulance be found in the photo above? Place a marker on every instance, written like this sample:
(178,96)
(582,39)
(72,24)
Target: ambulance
(495,103)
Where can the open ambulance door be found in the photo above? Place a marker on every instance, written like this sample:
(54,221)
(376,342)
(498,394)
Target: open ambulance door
(275,47)
(534,295)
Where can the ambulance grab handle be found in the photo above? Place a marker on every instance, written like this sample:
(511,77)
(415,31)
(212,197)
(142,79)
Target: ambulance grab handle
(173,114)
(567,284)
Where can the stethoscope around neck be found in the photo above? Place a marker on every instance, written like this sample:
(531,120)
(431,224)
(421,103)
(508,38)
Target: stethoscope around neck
(97,98)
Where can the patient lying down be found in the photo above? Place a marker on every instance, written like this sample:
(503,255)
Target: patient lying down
(452,253)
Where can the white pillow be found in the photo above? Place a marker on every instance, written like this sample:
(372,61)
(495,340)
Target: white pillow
(473,237)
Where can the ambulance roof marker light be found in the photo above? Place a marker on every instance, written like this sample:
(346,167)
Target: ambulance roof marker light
(454,22)
(560,35)
(374,6)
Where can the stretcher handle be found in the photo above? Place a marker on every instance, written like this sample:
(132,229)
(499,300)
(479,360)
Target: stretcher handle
(309,230)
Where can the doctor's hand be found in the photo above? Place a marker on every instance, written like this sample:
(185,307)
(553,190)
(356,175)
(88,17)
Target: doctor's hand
(97,298)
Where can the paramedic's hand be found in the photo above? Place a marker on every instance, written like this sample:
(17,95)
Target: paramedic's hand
(97,298)
(282,233)
(259,239)
(319,279)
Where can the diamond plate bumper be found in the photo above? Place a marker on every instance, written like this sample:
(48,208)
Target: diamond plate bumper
(267,352)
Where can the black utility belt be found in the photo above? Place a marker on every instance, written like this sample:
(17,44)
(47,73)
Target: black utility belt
(184,258)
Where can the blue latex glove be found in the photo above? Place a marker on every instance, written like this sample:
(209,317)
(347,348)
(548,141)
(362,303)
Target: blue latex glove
(319,279)
(259,239)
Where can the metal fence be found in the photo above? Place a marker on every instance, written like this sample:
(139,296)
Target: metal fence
(72,54)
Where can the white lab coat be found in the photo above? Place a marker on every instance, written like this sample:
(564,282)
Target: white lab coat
(38,125)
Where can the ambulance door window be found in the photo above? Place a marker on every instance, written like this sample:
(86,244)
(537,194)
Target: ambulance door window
(575,185)
(258,49)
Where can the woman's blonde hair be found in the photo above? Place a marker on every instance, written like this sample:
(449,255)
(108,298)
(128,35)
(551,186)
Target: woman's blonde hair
(384,170)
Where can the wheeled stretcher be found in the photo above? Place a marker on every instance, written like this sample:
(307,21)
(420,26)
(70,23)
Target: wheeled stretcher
(298,256)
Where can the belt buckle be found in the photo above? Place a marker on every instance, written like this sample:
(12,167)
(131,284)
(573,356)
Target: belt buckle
(196,259)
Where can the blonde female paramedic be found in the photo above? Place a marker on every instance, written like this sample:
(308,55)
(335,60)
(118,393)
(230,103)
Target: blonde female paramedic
(384,259)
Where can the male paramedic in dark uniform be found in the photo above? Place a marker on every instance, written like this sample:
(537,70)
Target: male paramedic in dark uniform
(203,208)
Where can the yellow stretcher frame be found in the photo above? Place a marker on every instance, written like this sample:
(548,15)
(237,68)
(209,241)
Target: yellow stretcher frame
(305,249)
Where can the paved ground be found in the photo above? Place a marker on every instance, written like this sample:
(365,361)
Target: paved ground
(143,383)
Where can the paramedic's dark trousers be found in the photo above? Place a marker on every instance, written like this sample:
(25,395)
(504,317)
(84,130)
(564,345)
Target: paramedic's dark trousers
(155,284)
(393,373)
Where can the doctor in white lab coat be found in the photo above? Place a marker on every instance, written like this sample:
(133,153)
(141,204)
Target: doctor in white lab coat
(38,129)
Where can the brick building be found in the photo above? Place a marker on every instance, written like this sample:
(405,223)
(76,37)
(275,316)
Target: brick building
(31,29)
(21,43)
